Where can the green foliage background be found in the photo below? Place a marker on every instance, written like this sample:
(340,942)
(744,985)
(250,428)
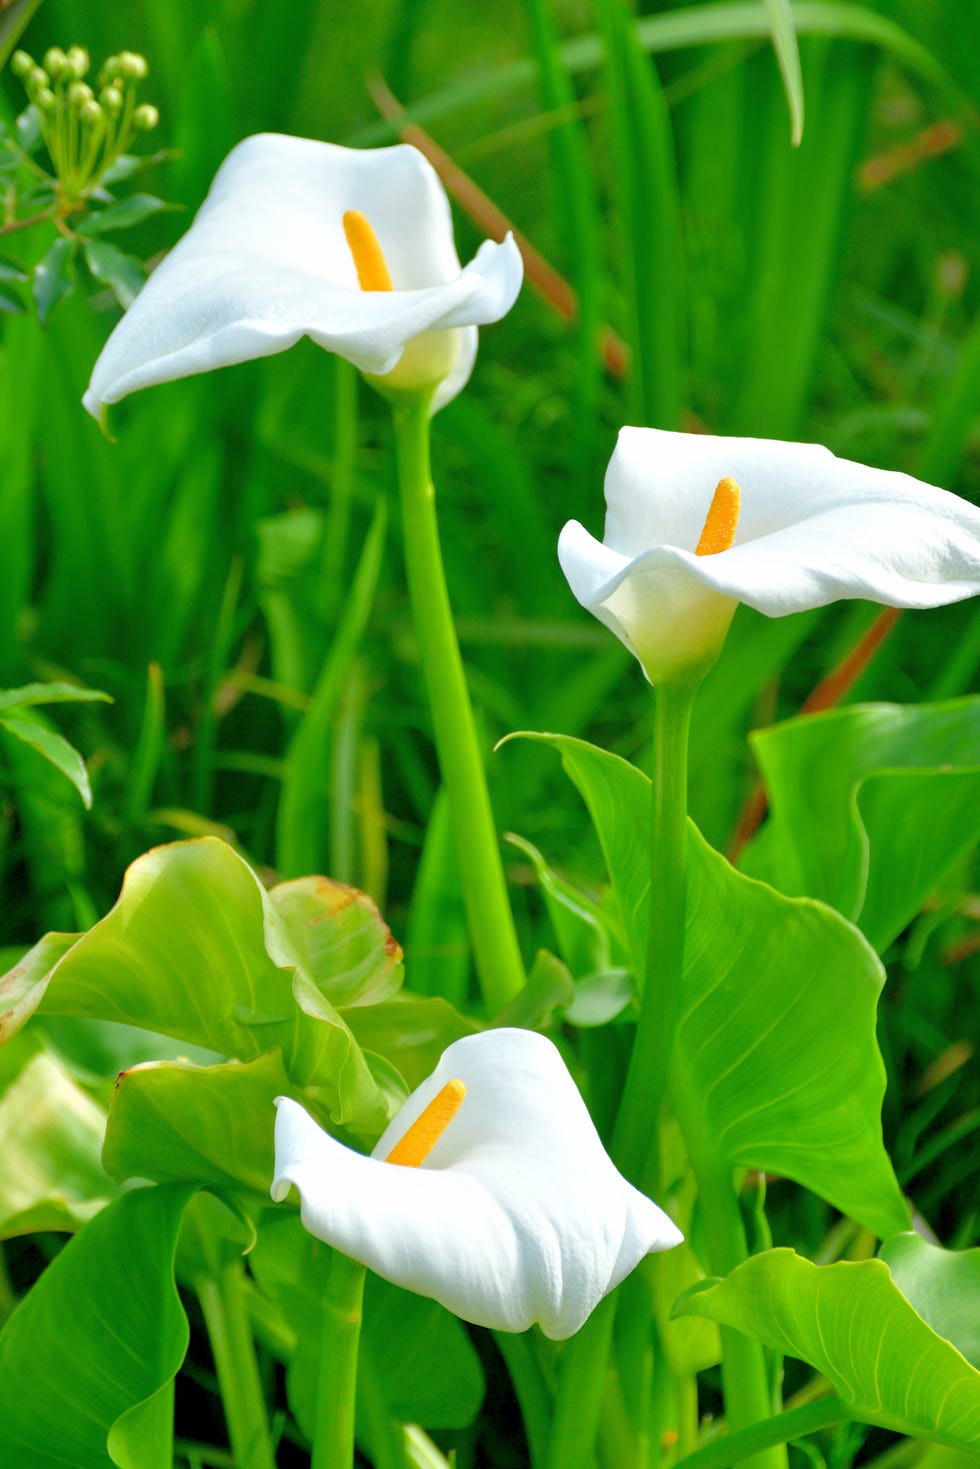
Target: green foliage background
(224,570)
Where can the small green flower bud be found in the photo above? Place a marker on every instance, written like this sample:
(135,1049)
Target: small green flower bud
(78,61)
(21,64)
(146,118)
(37,79)
(78,93)
(108,70)
(90,112)
(132,66)
(44,99)
(55,61)
(111,99)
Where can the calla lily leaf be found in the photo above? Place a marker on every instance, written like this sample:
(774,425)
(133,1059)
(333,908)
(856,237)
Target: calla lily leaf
(897,1336)
(52,1139)
(580,926)
(291,1268)
(410,1032)
(104,1368)
(195,948)
(899,806)
(173,1122)
(777,1016)
(345,945)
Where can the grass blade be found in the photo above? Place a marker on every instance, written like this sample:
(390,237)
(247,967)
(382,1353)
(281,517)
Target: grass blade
(788,55)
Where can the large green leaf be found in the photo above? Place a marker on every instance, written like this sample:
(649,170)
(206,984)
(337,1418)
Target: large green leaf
(208,1125)
(291,1267)
(897,1337)
(899,806)
(776,1043)
(87,1360)
(345,944)
(52,1138)
(195,948)
(410,1032)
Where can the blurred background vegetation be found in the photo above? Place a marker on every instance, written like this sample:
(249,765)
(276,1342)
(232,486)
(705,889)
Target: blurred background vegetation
(200,570)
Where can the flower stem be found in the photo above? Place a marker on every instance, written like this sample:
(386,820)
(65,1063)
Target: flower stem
(635,1142)
(657,1063)
(384,1435)
(491,923)
(532,1392)
(734,1447)
(745,1383)
(580,1390)
(333,1444)
(226,1317)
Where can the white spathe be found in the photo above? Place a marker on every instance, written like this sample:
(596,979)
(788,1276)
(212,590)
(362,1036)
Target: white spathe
(266,262)
(518,1214)
(813,529)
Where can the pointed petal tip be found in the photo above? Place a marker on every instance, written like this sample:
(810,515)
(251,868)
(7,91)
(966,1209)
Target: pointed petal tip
(670,1235)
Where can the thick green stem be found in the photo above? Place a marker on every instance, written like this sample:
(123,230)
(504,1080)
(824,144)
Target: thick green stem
(657,1063)
(636,1134)
(745,1383)
(333,1443)
(495,946)
(385,1437)
(225,1309)
(580,1390)
(734,1447)
(532,1392)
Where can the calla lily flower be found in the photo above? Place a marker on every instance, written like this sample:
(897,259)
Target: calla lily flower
(353,248)
(790,527)
(509,1212)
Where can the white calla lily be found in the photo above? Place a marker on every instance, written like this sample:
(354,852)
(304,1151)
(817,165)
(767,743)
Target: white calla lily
(812,529)
(517,1214)
(267,260)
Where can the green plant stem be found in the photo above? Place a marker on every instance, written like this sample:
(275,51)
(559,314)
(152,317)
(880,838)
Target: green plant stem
(385,1437)
(532,1392)
(580,1390)
(635,1142)
(745,1383)
(656,1063)
(495,946)
(734,1447)
(225,1309)
(333,1443)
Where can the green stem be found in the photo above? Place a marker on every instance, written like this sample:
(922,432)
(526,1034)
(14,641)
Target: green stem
(734,1447)
(636,1134)
(333,1444)
(336,528)
(385,1437)
(225,1309)
(745,1383)
(656,1063)
(495,946)
(580,1390)
(532,1392)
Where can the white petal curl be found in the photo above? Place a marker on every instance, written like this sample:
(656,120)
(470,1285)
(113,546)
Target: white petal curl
(266,262)
(517,1216)
(813,529)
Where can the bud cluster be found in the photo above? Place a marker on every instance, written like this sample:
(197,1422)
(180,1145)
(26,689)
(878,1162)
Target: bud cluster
(85,128)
